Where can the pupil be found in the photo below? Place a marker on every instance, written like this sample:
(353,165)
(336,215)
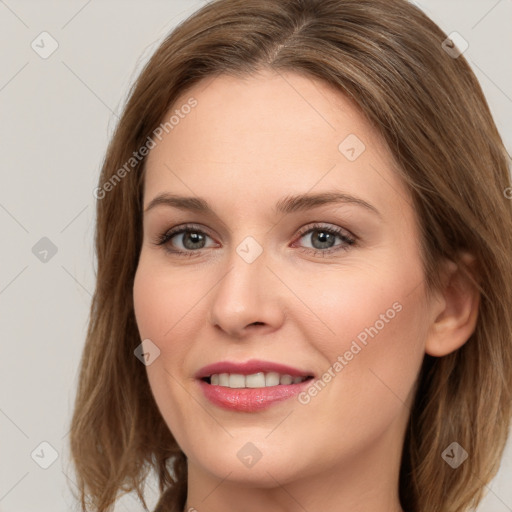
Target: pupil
(324,239)
(195,237)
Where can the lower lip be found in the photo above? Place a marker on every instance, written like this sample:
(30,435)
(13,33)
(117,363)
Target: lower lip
(250,399)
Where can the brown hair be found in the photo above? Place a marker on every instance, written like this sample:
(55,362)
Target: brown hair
(386,56)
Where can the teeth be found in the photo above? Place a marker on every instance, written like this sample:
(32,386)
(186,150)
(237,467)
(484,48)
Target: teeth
(272,379)
(236,380)
(286,379)
(255,380)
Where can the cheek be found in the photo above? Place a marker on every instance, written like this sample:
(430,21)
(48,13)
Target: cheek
(161,300)
(384,305)
(167,304)
(158,308)
(377,322)
(157,313)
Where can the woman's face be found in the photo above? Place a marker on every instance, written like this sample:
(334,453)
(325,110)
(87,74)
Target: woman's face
(333,289)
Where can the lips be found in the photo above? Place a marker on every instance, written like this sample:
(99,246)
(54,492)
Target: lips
(248,391)
(250,367)
(247,400)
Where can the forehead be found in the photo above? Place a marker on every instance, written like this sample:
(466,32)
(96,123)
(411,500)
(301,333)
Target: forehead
(257,137)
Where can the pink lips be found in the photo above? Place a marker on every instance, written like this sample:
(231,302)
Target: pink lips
(250,399)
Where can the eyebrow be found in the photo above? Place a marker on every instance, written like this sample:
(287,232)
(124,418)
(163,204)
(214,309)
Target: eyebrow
(286,205)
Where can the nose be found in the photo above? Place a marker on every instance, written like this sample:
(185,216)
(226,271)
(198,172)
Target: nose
(247,298)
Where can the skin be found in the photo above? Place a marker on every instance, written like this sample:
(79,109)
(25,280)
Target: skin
(247,144)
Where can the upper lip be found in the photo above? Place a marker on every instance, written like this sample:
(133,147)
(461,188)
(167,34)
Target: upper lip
(250,367)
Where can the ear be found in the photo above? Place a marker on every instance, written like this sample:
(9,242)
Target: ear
(456,311)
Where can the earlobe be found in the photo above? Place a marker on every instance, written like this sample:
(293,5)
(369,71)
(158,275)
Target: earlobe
(456,313)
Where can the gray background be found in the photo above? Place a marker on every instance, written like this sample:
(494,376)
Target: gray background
(57,115)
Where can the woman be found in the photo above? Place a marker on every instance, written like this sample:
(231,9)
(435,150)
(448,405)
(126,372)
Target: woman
(304,284)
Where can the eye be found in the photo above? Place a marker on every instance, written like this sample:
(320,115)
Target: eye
(193,239)
(323,239)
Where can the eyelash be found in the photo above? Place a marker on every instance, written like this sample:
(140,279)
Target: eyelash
(348,241)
